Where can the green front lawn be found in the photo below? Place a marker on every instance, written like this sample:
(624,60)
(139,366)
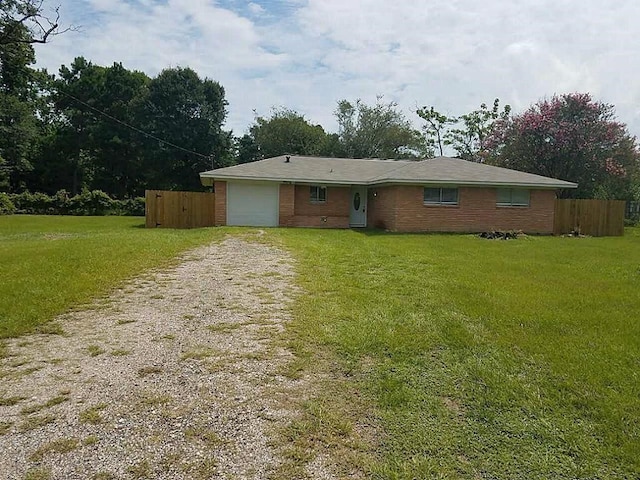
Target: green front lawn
(471,358)
(50,264)
(481,359)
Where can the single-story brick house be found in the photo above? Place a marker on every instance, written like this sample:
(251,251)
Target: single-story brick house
(439,194)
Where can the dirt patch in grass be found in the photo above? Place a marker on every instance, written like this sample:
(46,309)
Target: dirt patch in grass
(173,379)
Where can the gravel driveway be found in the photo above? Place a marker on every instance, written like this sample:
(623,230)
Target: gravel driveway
(175,375)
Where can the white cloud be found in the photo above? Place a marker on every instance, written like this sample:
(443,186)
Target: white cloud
(255,8)
(308,54)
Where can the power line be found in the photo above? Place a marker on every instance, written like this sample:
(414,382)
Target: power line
(136,129)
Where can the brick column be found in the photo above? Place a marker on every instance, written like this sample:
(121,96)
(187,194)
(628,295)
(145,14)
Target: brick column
(287,205)
(221,203)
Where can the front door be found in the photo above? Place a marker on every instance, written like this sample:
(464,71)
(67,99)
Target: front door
(358,215)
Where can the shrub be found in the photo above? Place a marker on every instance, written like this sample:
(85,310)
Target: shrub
(88,202)
(33,203)
(62,202)
(130,207)
(6,205)
(94,202)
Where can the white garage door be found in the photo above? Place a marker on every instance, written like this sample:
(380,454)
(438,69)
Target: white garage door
(252,204)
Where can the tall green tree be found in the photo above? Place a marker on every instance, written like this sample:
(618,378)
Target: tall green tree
(185,114)
(18,100)
(469,138)
(378,131)
(571,137)
(118,149)
(67,161)
(284,131)
(94,145)
(435,128)
(466,134)
(246,149)
(120,131)
(22,98)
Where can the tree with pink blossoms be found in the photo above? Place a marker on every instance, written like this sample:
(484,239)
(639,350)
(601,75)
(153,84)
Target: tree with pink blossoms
(571,137)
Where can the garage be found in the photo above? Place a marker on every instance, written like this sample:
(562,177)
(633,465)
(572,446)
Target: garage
(252,204)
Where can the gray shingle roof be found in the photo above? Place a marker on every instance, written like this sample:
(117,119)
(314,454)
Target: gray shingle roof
(349,171)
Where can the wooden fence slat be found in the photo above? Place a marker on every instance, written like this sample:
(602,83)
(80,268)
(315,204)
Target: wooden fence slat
(150,210)
(590,217)
(170,209)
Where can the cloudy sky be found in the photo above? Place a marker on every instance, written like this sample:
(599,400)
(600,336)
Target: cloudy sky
(308,54)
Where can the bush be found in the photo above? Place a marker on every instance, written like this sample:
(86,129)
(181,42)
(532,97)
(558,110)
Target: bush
(131,207)
(6,205)
(33,203)
(94,202)
(62,202)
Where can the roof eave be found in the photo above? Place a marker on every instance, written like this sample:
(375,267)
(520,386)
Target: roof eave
(251,178)
(467,183)
(379,182)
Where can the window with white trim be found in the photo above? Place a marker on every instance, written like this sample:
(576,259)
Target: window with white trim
(440,196)
(318,194)
(513,197)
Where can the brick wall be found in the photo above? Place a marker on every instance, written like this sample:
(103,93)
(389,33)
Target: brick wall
(334,213)
(322,221)
(286,213)
(221,203)
(476,211)
(401,208)
(381,208)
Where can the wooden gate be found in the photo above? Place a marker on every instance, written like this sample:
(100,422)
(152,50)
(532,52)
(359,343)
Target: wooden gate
(599,218)
(168,209)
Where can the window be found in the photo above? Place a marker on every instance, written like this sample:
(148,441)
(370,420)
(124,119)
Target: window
(440,196)
(512,197)
(318,194)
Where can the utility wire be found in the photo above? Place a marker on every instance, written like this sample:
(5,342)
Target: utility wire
(136,129)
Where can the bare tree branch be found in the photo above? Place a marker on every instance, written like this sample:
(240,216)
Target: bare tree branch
(25,22)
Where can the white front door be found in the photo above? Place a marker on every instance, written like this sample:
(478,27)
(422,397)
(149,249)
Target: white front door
(358,215)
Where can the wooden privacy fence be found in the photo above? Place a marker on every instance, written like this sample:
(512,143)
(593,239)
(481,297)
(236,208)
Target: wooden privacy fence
(179,209)
(599,218)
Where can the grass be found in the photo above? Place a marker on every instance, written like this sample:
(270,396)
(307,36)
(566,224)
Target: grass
(10,401)
(140,470)
(124,321)
(5,427)
(120,352)
(199,352)
(149,370)
(38,473)
(52,263)
(449,356)
(104,476)
(222,327)
(153,400)
(49,403)
(478,359)
(33,422)
(94,350)
(205,435)
(90,440)
(202,469)
(62,445)
(92,414)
